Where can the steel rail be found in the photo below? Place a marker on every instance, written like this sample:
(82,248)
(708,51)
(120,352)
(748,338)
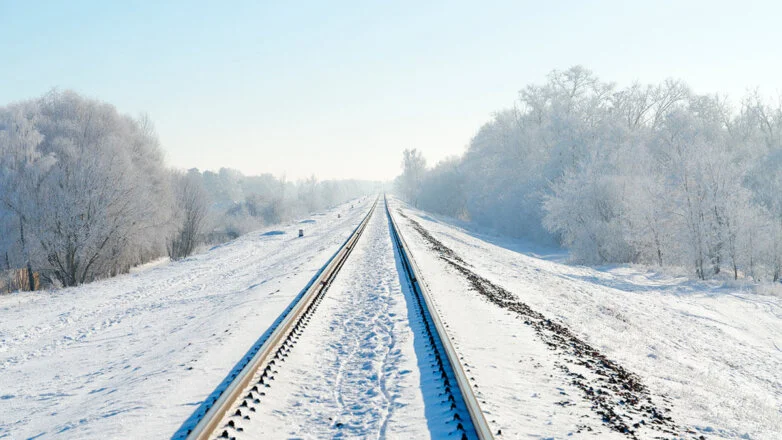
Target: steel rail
(208,427)
(482,429)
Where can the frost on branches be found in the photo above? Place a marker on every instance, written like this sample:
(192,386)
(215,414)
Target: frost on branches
(652,174)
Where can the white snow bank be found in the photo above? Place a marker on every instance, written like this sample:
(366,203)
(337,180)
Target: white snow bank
(133,356)
(712,351)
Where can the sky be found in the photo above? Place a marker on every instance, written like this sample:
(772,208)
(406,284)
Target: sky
(340,89)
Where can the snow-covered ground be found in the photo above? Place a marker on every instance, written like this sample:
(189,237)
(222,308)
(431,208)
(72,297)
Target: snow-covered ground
(134,356)
(710,354)
(361,368)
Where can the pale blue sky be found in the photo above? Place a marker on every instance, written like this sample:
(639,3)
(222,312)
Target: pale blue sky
(339,89)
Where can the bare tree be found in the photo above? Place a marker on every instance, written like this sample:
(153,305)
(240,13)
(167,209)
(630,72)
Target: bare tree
(414,167)
(191,214)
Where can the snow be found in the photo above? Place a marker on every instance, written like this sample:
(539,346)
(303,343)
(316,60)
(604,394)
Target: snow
(710,353)
(135,355)
(360,368)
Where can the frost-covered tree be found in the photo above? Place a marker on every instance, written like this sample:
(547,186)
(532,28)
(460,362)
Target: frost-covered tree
(88,186)
(20,167)
(85,193)
(308,193)
(442,189)
(413,169)
(239,203)
(651,174)
(190,215)
(586,211)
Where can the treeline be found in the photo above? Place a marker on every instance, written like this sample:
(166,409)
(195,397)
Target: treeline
(652,174)
(85,194)
(239,203)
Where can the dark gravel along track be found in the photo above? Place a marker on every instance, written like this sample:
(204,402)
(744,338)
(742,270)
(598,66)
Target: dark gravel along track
(620,398)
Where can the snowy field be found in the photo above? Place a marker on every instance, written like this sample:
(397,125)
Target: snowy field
(710,354)
(134,356)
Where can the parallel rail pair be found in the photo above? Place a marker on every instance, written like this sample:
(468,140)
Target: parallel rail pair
(217,422)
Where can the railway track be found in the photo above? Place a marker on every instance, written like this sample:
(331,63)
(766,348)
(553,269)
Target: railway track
(237,406)
(447,358)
